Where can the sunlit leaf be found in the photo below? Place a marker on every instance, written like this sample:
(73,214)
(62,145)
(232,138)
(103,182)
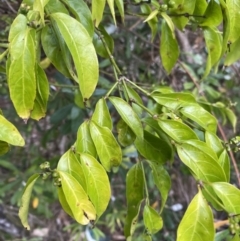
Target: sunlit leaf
(225,163)
(120,6)
(197,222)
(63,201)
(234,54)
(108,150)
(98,186)
(214,142)
(112,10)
(134,195)
(25,200)
(82,50)
(77,199)
(152,15)
(152,220)
(97,10)
(231,117)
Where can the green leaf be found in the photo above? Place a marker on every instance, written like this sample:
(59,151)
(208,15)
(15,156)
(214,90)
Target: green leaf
(152,220)
(177,130)
(98,186)
(112,10)
(234,19)
(77,199)
(63,201)
(82,50)
(70,164)
(169,23)
(173,100)
(39,5)
(97,10)
(200,8)
(153,148)
(134,195)
(229,195)
(152,15)
(128,115)
(236,237)
(40,103)
(55,6)
(201,160)
(120,6)
(213,15)
(197,222)
(98,44)
(21,79)
(234,54)
(214,142)
(25,200)
(213,41)
(82,13)
(169,50)
(231,117)
(52,49)
(198,114)
(84,143)
(125,135)
(225,163)
(162,180)
(9,133)
(108,150)
(4,147)
(101,114)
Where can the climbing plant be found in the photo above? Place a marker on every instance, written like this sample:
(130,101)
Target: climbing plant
(70,35)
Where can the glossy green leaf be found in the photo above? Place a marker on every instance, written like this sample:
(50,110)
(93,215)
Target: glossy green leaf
(214,142)
(134,195)
(40,103)
(169,50)
(82,13)
(98,186)
(101,114)
(213,15)
(55,6)
(162,180)
(128,115)
(198,114)
(97,10)
(213,41)
(229,195)
(70,164)
(63,201)
(52,49)
(202,160)
(120,6)
(25,200)
(153,148)
(98,44)
(112,10)
(200,8)
(134,97)
(77,199)
(197,222)
(173,100)
(4,147)
(231,117)
(152,220)
(84,143)
(125,135)
(234,54)
(225,163)
(21,79)
(19,26)
(182,7)
(84,56)
(177,130)
(108,150)
(9,133)
(234,19)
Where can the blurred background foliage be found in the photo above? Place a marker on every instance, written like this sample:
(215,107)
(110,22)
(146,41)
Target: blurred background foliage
(49,138)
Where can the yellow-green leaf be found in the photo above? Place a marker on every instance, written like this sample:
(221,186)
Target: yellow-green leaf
(97,10)
(63,201)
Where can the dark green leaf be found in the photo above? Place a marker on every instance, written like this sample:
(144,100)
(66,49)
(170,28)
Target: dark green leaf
(135,195)
(177,130)
(108,150)
(125,135)
(4,147)
(77,199)
(128,115)
(197,222)
(25,200)
(63,202)
(152,220)
(98,186)
(101,114)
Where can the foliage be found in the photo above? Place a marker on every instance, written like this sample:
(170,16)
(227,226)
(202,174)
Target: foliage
(70,35)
